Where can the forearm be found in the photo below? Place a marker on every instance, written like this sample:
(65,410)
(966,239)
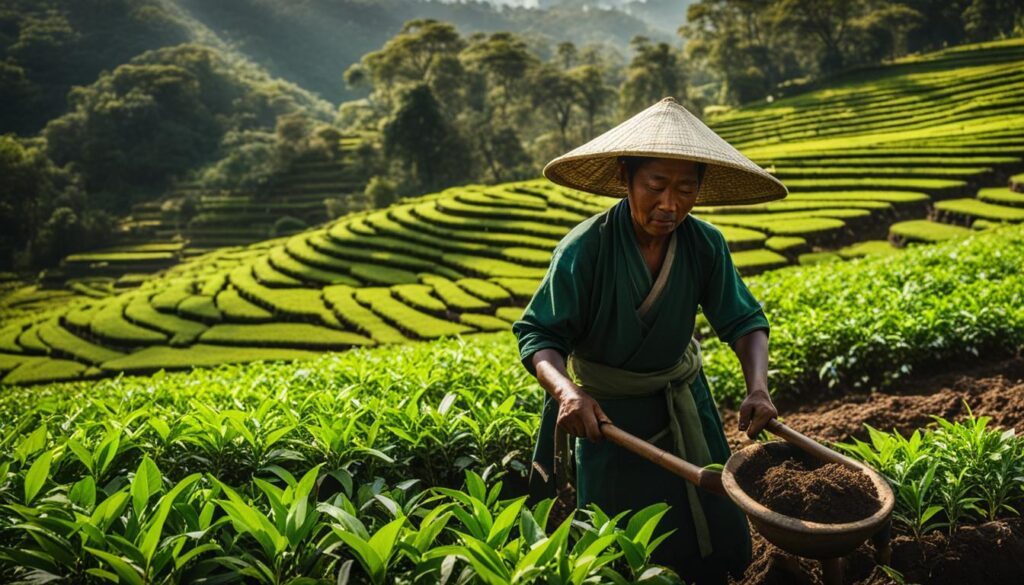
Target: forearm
(757,409)
(578,413)
(752,351)
(552,374)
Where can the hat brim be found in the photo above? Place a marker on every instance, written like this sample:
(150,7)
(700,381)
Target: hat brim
(666,130)
(722,184)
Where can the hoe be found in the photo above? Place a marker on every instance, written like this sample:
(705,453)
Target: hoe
(827,543)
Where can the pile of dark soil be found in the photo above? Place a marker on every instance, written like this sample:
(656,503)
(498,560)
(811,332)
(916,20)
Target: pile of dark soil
(984,554)
(831,493)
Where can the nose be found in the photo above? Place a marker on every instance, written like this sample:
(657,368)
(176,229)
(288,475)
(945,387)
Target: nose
(667,203)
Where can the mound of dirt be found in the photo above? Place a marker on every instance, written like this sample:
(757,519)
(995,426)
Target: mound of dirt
(983,554)
(801,488)
(991,552)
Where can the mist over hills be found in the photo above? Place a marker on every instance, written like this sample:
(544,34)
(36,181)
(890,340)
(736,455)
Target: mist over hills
(312,42)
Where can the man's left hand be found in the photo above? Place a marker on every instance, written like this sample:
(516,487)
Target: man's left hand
(755,412)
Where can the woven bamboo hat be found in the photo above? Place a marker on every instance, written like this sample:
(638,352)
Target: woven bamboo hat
(666,130)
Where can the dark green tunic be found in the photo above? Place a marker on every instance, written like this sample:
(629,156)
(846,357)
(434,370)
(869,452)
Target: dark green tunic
(587,304)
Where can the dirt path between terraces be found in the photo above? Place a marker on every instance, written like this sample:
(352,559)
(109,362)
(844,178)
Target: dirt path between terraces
(987,553)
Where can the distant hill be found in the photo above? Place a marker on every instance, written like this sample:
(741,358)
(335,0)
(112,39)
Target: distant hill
(312,42)
(49,46)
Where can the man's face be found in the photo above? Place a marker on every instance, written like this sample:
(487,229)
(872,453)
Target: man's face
(662,193)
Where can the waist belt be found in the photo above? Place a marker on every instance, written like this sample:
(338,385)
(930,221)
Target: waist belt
(604,382)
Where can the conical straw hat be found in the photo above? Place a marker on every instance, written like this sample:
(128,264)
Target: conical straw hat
(666,130)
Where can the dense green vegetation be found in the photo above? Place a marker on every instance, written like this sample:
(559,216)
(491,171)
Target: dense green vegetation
(755,50)
(273,473)
(445,106)
(508,108)
(344,464)
(926,305)
(949,475)
(356,410)
(887,316)
(144,113)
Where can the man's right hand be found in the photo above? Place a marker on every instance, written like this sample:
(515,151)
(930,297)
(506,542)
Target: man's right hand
(580,415)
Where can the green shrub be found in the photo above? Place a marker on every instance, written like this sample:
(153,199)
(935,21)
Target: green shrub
(201,308)
(152,359)
(44,370)
(981,209)
(920,230)
(1002,196)
(453,295)
(341,300)
(181,331)
(885,317)
(521,288)
(383,275)
(419,297)
(415,323)
(285,263)
(236,308)
(65,343)
(109,324)
(783,243)
(955,473)
(868,248)
(291,335)
(484,289)
(484,322)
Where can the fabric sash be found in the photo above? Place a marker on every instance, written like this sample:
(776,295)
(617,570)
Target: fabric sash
(604,382)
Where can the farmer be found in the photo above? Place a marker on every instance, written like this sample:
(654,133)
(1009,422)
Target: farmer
(609,332)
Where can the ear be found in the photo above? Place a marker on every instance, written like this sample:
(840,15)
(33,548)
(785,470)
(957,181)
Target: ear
(622,173)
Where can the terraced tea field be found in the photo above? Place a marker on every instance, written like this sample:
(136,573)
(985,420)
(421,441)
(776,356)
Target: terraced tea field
(873,156)
(156,234)
(919,151)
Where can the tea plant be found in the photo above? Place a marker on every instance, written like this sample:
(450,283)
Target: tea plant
(948,475)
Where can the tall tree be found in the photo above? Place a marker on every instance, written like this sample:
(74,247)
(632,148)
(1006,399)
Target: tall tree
(423,51)
(593,94)
(737,43)
(988,19)
(656,71)
(827,22)
(554,92)
(504,59)
(567,55)
(423,142)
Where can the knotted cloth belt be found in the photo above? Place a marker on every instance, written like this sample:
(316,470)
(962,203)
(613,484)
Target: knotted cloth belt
(605,382)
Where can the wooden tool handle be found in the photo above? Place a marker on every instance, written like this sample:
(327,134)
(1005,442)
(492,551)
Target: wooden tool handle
(698,476)
(809,445)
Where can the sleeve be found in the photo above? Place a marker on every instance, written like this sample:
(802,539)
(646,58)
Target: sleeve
(728,304)
(554,316)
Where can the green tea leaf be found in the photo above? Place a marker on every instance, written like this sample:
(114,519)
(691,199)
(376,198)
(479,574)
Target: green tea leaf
(36,476)
(147,481)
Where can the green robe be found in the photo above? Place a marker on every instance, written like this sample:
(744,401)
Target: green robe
(586,304)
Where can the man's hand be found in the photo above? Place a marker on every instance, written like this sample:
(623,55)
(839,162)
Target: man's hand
(579,414)
(755,412)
